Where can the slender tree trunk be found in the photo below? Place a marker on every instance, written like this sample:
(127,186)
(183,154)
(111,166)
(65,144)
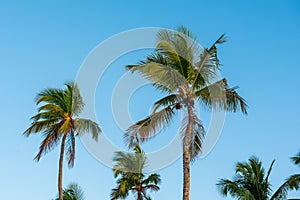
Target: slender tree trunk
(60,168)
(186,155)
(139,195)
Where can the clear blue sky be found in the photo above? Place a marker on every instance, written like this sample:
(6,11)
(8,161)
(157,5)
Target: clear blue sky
(42,44)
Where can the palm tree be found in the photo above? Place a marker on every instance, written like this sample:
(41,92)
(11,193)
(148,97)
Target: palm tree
(57,120)
(73,192)
(251,182)
(296,159)
(186,73)
(129,167)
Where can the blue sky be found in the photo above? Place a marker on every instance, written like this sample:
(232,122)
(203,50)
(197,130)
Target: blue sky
(43,44)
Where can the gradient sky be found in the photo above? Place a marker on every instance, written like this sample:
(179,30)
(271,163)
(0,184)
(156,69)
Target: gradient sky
(43,44)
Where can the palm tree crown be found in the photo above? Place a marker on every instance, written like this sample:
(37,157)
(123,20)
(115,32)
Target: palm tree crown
(58,120)
(73,192)
(251,182)
(129,168)
(187,73)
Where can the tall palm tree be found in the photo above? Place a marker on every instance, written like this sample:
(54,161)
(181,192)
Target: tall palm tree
(187,73)
(251,182)
(129,168)
(58,120)
(73,192)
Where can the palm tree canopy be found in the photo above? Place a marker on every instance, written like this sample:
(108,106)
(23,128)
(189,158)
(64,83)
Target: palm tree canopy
(73,192)
(129,162)
(58,113)
(180,67)
(251,181)
(129,168)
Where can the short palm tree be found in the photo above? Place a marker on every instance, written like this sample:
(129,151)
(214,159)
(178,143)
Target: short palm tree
(251,182)
(129,168)
(188,74)
(58,120)
(73,192)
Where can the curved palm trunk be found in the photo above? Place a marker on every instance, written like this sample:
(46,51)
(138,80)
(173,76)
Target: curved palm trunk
(61,161)
(186,155)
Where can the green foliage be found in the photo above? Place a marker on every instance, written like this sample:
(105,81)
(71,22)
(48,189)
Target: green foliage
(296,159)
(186,71)
(252,182)
(129,169)
(56,117)
(73,192)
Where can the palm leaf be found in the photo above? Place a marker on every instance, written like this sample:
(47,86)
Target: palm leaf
(161,75)
(153,178)
(209,63)
(218,96)
(70,149)
(85,125)
(146,128)
(197,137)
(51,140)
(170,100)
(129,162)
(227,187)
(52,96)
(296,159)
(38,126)
(77,104)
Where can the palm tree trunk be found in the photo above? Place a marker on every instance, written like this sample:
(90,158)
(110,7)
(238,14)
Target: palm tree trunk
(61,161)
(139,195)
(186,173)
(186,155)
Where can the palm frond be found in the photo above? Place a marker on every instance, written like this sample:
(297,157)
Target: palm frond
(51,140)
(170,100)
(129,162)
(39,126)
(87,126)
(153,178)
(52,96)
(52,108)
(269,171)
(292,183)
(73,192)
(208,65)
(235,102)
(152,187)
(119,193)
(222,39)
(146,128)
(218,96)
(76,105)
(47,115)
(179,48)
(296,159)
(70,153)
(166,48)
(161,75)
(213,95)
(196,139)
(228,187)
